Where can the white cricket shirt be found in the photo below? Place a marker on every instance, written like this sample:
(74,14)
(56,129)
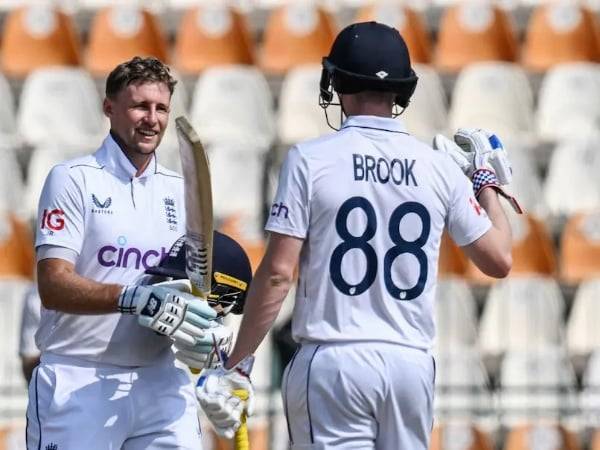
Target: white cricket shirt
(118,224)
(371,203)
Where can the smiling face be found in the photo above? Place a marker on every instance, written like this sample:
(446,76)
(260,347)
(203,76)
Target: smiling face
(138,115)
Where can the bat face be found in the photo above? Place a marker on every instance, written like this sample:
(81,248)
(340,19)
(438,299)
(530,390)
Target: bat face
(198,208)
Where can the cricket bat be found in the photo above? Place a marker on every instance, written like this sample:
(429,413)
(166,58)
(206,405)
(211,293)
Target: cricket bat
(198,208)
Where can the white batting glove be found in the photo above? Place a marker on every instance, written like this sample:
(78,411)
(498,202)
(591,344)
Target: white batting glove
(208,350)
(167,311)
(215,394)
(481,157)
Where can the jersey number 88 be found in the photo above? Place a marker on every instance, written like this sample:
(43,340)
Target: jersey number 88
(361,242)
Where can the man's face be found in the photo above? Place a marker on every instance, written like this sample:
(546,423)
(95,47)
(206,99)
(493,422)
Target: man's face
(139,115)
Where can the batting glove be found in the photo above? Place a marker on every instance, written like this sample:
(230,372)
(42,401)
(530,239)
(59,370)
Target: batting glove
(481,157)
(167,311)
(215,394)
(208,350)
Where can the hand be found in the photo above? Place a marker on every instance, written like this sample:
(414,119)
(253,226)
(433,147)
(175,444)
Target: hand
(208,350)
(167,311)
(475,149)
(215,394)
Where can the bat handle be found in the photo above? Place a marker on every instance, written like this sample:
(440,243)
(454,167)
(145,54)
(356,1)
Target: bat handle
(241,435)
(202,296)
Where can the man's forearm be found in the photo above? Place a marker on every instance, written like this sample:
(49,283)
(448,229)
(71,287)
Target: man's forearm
(489,200)
(265,297)
(62,289)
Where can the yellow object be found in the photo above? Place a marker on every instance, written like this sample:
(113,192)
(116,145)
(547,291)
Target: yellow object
(241,435)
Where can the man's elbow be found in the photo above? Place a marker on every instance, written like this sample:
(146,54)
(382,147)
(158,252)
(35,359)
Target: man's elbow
(281,276)
(500,266)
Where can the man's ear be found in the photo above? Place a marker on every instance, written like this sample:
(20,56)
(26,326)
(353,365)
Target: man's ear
(107,107)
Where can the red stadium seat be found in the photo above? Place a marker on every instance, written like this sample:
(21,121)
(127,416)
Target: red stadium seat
(559,33)
(37,36)
(210,36)
(16,248)
(296,34)
(118,34)
(580,248)
(473,32)
(452,261)
(408,22)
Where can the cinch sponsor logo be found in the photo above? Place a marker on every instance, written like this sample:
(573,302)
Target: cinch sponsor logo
(279,209)
(53,219)
(129,257)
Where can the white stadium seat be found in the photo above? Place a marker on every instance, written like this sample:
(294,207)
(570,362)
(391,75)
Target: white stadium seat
(61,105)
(567,106)
(427,113)
(590,395)
(462,386)
(583,333)
(537,384)
(522,313)
(8,126)
(233,104)
(455,315)
(11,183)
(300,117)
(494,96)
(572,184)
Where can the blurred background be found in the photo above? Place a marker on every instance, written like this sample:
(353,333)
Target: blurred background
(518,360)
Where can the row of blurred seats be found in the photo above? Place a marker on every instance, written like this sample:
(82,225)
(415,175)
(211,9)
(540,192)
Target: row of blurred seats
(295,34)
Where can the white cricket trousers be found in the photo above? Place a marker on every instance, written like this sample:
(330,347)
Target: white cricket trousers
(79,405)
(357,395)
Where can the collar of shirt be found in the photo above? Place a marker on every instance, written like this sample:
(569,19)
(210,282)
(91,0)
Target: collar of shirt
(115,161)
(375,123)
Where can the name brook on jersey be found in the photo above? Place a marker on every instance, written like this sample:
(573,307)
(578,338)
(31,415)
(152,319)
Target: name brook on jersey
(380,170)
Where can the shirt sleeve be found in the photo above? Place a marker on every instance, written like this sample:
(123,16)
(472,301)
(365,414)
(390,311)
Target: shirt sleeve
(30,322)
(467,220)
(61,210)
(290,210)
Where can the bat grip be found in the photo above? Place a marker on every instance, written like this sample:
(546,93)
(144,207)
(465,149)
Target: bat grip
(241,435)
(201,295)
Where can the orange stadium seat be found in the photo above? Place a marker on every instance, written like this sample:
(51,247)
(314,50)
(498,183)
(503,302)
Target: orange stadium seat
(408,22)
(459,436)
(16,248)
(37,36)
(473,32)
(452,261)
(255,247)
(558,33)
(120,33)
(595,442)
(580,248)
(296,34)
(211,36)
(532,251)
(529,437)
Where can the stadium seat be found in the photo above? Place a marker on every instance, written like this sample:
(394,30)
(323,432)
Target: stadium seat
(455,315)
(233,104)
(521,313)
(119,33)
(526,184)
(590,394)
(543,436)
(494,96)
(471,32)
(560,32)
(42,160)
(13,391)
(567,106)
(407,21)
(580,248)
(71,91)
(237,179)
(583,333)
(294,35)
(300,117)
(459,435)
(8,125)
(452,261)
(427,113)
(571,184)
(212,35)
(462,388)
(16,247)
(538,384)
(37,36)
(11,183)
(532,250)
